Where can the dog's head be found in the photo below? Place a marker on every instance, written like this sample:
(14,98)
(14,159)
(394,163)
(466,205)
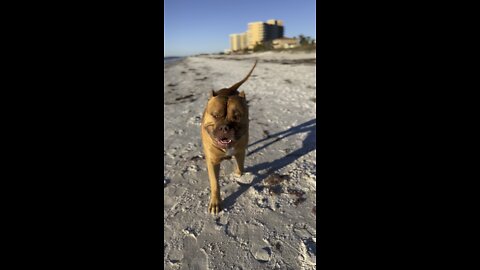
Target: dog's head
(226,117)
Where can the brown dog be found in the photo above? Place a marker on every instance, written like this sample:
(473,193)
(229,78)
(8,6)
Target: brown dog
(224,132)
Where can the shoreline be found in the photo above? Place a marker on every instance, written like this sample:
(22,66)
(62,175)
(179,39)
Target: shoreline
(282,57)
(276,57)
(172,61)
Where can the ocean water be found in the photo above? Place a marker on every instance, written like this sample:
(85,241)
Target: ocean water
(171,59)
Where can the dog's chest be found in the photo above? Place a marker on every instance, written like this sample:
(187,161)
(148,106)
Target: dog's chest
(230,151)
(228,154)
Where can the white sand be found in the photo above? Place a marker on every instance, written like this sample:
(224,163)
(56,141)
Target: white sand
(258,229)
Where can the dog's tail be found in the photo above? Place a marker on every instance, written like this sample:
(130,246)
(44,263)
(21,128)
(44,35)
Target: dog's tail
(237,85)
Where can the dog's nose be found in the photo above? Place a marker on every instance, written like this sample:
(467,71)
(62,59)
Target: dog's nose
(224,128)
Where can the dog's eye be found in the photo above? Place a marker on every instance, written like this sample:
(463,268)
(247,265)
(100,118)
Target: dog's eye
(236,116)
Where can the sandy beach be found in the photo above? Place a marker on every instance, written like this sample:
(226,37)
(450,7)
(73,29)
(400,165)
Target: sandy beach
(268,217)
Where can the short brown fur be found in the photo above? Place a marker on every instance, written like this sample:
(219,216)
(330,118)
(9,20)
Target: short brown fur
(224,132)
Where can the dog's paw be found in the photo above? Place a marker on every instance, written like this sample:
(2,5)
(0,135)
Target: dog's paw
(245,178)
(214,206)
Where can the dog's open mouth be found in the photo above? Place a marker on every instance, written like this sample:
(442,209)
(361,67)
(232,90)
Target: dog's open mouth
(224,141)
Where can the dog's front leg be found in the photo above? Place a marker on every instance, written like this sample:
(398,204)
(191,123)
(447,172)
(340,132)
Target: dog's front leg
(213,174)
(240,159)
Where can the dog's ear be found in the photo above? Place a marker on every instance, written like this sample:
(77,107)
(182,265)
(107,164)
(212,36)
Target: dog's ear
(212,94)
(242,94)
(237,85)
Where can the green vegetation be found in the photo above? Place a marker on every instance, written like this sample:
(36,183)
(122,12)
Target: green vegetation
(306,44)
(305,40)
(265,46)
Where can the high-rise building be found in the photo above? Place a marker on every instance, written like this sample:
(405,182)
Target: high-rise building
(275,22)
(243,41)
(255,33)
(274,29)
(259,32)
(238,41)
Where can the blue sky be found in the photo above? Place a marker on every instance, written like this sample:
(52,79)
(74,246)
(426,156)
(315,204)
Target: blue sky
(204,26)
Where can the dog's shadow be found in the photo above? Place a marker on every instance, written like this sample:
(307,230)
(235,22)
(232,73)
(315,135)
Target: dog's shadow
(262,170)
